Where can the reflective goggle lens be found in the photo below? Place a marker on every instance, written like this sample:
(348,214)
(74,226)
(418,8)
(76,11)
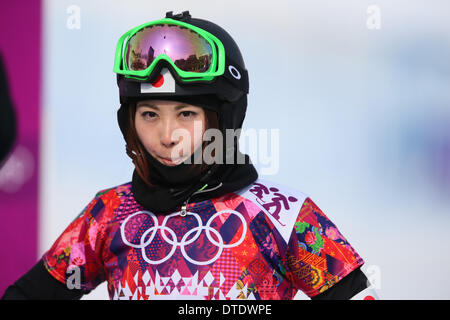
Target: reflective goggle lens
(186,48)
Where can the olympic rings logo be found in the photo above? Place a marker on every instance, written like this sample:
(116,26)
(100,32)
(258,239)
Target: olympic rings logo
(171,238)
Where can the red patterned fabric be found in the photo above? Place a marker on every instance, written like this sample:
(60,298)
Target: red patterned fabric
(264,242)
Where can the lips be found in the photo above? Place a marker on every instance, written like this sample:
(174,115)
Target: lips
(169,161)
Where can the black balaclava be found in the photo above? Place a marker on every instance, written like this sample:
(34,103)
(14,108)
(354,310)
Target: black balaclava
(182,174)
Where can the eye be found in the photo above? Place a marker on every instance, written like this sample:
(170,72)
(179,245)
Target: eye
(187,114)
(148,115)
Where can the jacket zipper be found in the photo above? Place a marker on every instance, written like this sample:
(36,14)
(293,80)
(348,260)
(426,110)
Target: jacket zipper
(183,212)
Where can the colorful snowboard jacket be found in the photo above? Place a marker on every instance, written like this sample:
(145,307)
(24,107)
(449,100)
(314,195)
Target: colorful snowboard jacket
(265,241)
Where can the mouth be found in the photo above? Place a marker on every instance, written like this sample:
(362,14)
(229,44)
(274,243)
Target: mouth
(169,161)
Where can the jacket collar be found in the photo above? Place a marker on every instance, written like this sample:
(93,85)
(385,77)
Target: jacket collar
(222,179)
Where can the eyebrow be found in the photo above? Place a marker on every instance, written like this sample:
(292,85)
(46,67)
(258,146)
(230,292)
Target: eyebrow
(155,107)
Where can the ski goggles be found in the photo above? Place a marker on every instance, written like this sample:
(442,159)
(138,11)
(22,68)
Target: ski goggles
(193,53)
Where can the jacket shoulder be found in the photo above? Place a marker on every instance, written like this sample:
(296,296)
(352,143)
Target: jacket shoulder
(280,203)
(120,190)
(262,187)
(110,199)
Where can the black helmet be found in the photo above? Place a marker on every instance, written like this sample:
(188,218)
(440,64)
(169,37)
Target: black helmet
(225,94)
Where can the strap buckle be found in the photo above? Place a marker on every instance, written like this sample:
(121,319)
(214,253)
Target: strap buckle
(184,16)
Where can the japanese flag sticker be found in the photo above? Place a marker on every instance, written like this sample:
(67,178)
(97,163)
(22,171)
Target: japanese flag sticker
(164,83)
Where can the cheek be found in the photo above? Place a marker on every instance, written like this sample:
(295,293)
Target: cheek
(146,135)
(196,130)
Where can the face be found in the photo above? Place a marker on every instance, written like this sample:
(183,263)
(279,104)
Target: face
(170,131)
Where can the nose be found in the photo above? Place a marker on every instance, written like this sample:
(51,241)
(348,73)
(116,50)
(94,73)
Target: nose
(167,138)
